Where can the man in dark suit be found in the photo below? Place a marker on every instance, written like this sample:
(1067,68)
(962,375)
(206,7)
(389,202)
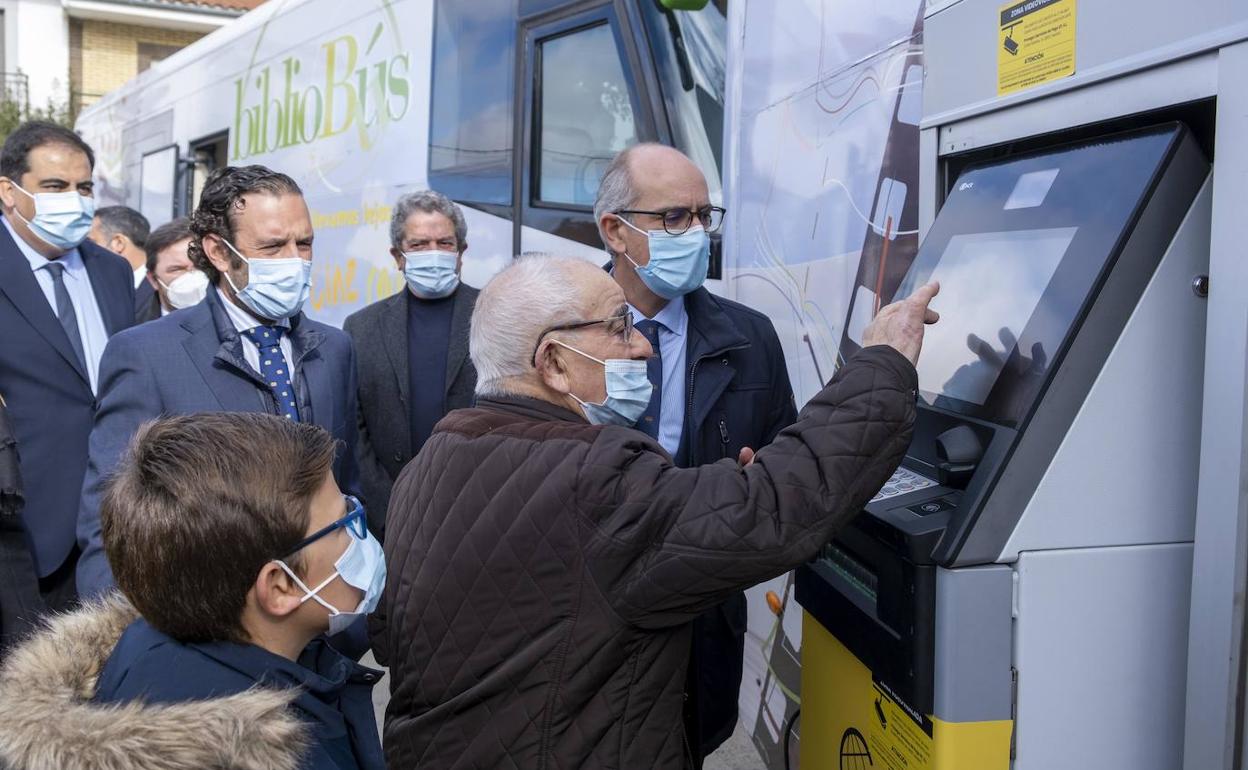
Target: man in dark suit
(246,348)
(61,297)
(413,347)
(172,281)
(123,231)
(721,388)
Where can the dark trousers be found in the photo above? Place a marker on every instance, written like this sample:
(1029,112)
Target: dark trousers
(20,604)
(59,591)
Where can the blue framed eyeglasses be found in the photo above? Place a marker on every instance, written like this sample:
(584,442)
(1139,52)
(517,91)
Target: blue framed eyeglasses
(354,522)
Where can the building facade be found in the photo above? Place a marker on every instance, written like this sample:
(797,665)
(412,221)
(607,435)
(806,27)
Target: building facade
(71,52)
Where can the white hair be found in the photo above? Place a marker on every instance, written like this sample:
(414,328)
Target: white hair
(536,292)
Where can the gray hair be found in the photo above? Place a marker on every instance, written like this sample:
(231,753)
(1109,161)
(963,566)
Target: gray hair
(123,220)
(615,191)
(536,292)
(429,202)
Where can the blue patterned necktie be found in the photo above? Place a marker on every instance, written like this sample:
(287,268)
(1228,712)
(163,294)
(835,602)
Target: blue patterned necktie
(649,422)
(274,369)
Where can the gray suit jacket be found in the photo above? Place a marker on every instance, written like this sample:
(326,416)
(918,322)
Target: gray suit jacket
(384,443)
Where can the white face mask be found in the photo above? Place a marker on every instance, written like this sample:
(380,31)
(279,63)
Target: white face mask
(62,220)
(186,290)
(276,288)
(431,274)
(628,391)
(363,567)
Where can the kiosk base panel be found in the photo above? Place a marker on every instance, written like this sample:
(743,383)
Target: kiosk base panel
(851,720)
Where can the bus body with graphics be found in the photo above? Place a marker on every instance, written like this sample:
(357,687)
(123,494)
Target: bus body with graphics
(513,108)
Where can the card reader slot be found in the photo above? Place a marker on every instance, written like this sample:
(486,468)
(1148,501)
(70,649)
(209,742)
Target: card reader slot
(879,606)
(854,572)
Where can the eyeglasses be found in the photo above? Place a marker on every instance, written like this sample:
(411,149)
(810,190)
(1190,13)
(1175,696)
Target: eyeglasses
(677,221)
(354,522)
(617,325)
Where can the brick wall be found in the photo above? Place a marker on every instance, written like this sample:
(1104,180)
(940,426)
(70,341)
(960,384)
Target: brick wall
(103,55)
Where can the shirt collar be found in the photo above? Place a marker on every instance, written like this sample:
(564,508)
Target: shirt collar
(72,260)
(241,319)
(672,317)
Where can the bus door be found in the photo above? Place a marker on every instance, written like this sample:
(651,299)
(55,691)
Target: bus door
(584,89)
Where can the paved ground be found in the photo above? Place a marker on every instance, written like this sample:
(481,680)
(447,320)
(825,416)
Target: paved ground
(737,754)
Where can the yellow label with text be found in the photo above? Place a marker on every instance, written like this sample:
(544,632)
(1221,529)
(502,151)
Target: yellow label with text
(1035,43)
(853,721)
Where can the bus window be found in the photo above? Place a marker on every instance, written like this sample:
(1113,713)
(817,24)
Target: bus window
(690,50)
(470,127)
(209,154)
(586,114)
(158,181)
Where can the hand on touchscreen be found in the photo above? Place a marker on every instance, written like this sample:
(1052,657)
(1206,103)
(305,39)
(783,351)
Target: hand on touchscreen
(900,325)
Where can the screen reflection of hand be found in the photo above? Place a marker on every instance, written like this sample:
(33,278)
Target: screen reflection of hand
(1023,367)
(975,380)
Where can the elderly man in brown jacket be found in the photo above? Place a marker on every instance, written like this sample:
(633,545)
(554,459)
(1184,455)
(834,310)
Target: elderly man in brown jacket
(545,559)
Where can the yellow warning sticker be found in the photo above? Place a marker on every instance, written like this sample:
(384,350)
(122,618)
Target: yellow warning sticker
(1036,43)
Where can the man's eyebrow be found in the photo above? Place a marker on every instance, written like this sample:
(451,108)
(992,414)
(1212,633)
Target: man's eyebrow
(53,181)
(621,310)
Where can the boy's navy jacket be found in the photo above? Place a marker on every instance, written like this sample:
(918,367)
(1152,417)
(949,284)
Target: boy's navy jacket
(335,697)
(76,694)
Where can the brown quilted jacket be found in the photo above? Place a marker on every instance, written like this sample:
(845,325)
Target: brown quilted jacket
(543,571)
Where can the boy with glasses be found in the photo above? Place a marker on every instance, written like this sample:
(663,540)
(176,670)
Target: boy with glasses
(236,552)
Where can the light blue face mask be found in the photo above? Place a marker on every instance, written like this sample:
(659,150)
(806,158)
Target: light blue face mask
(276,288)
(62,220)
(678,263)
(431,274)
(628,391)
(361,566)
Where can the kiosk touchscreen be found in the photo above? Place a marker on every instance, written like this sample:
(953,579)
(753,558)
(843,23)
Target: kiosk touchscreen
(1042,260)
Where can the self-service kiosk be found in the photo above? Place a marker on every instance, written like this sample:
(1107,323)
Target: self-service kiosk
(1023,580)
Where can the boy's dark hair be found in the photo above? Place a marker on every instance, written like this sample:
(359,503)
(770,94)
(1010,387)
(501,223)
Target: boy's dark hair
(199,505)
(163,237)
(126,221)
(15,156)
(223,195)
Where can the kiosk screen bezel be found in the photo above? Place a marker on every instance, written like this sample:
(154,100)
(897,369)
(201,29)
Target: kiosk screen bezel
(1094,190)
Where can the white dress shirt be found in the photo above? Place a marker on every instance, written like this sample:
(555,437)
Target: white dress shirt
(140,273)
(91,326)
(243,321)
(673,324)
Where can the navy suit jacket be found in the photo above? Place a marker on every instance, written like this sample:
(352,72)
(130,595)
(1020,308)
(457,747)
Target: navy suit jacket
(192,361)
(146,303)
(48,393)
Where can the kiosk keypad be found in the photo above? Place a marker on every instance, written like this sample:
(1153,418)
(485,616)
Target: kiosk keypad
(902,482)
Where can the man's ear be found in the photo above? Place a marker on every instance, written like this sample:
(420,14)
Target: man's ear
(612,232)
(217,252)
(8,193)
(151,281)
(276,593)
(552,368)
(119,243)
(398,257)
